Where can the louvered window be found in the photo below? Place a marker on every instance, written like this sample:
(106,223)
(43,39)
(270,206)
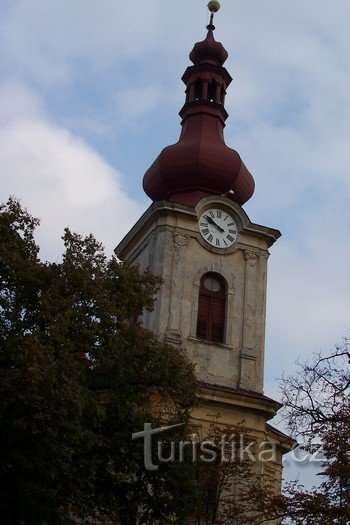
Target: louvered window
(212,308)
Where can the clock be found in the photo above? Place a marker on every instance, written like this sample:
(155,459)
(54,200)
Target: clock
(218,228)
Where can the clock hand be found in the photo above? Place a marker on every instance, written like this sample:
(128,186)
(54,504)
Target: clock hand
(219,228)
(209,219)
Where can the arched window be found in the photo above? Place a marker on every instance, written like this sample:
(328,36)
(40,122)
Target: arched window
(198,95)
(212,91)
(212,308)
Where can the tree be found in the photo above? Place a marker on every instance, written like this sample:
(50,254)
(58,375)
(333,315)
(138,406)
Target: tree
(318,410)
(234,491)
(79,375)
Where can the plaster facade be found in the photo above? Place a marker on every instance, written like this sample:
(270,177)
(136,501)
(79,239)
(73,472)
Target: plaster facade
(167,241)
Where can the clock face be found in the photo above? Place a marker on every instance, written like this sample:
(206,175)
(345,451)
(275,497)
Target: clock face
(218,228)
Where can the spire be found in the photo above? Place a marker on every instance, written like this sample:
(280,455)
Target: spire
(209,51)
(200,164)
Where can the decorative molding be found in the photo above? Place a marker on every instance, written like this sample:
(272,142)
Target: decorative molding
(248,375)
(152,243)
(249,353)
(180,239)
(251,257)
(174,247)
(231,288)
(209,344)
(173,337)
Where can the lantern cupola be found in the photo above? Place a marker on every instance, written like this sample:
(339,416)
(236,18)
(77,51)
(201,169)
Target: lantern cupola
(200,164)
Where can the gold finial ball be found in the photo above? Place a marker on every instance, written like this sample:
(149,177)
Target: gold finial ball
(214,6)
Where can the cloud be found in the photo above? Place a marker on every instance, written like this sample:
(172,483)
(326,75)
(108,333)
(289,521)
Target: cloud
(99,70)
(47,39)
(135,103)
(309,307)
(104,70)
(59,177)
(18,103)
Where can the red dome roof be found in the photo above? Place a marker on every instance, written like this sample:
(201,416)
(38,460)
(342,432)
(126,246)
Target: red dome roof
(200,164)
(209,50)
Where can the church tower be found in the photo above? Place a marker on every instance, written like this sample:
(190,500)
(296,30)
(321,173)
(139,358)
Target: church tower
(211,257)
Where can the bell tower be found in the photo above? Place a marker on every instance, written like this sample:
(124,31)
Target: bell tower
(211,257)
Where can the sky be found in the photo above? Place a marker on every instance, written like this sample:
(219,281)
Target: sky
(90,93)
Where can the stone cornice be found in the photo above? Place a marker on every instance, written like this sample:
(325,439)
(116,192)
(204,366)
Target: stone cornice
(157,209)
(283,439)
(239,399)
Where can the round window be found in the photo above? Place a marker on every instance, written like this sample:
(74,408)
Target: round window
(211,284)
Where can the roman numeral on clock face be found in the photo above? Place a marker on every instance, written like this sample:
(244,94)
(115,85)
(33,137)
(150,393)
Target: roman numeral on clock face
(218,228)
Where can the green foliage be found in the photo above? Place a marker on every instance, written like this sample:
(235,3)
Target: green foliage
(79,375)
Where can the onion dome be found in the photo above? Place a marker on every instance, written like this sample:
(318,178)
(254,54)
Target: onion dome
(209,51)
(200,164)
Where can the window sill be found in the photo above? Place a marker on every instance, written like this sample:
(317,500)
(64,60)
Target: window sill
(210,343)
